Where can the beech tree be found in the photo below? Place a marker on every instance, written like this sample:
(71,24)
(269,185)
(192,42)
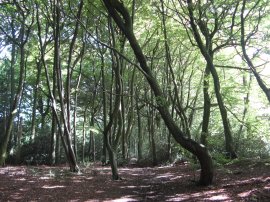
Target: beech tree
(122,18)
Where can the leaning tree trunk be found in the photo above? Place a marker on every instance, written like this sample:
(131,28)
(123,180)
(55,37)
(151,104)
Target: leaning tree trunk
(248,60)
(124,22)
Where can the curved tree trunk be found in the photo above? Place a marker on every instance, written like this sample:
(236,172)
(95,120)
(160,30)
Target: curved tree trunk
(115,8)
(248,60)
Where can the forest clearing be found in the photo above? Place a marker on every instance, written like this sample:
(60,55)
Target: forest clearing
(246,180)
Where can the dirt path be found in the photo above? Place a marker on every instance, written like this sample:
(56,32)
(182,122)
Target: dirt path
(248,181)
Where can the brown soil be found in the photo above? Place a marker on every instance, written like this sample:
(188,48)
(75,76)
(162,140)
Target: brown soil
(243,181)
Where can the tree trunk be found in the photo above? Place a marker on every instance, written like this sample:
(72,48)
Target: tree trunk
(230,152)
(140,138)
(33,121)
(206,107)
(115,9)
(53,154)
(57,148)
(247,85)
(83,134)
(93,147)
(152,131)
(104,107)
(19,139)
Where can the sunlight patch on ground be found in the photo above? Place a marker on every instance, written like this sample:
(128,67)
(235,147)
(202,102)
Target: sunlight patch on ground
(16,196)
(129,187)
(145,186)
(217,195)
(52,187)
(245,182)
(178,177)
(214,191)
(124,199)
(135,174)
(267,187)
(166,175)
(220,197)
(161,167)
(179,197)
(22,189)
(45,178)
(21,179)
(213,195)
(246,193)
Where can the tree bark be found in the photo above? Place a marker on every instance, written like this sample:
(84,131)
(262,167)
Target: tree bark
(139,122)
(33,121)
(19,139)
(206,107)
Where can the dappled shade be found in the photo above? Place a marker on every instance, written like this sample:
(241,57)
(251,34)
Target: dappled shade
(165,183)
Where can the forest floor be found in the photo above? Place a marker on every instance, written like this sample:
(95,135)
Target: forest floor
(247,180)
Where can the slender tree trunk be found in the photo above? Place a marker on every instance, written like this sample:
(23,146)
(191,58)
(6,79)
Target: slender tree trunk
(140,138)
(223,111)
(57,148)
(12,66)
(152,131)
(83,134)
(33,121)
(130,115)
(104,104)
(122,125)
(19,139)
(244,41)
(68,81)
(53,154)
(92,146)
(206,107)
(247,86)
